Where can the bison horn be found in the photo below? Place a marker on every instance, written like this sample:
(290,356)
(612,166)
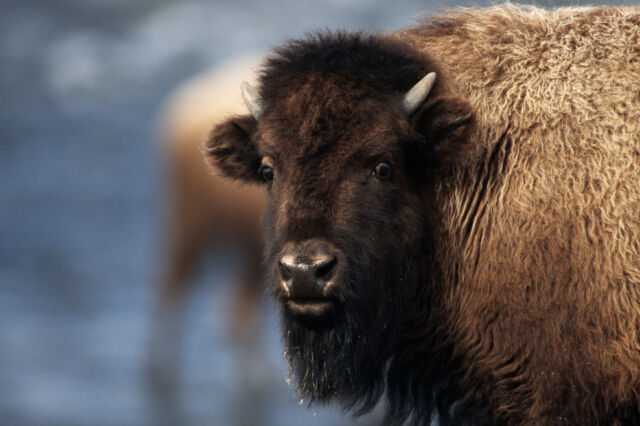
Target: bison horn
(418,93)
(251,99)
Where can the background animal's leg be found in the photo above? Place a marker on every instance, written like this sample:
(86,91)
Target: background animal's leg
(189,236)
(245,316)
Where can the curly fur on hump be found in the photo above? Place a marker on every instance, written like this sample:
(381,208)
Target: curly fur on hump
(543,233)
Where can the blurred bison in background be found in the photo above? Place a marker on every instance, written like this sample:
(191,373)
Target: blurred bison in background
(205,212)
(467,242)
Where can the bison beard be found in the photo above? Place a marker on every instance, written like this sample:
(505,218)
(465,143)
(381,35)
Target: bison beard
(343,362)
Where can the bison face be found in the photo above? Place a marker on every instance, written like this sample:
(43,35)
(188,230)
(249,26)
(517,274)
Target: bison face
(347,164)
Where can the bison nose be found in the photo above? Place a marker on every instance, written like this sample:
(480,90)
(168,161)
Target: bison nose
(305,273)
(319,270)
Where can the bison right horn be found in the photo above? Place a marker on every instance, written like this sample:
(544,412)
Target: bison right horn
(418,94)
(251,99)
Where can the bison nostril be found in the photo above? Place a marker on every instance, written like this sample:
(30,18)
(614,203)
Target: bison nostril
(285,271)
(324,270)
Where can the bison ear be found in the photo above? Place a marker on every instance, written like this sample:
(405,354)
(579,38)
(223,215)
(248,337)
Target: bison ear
(445,124)
(230,149)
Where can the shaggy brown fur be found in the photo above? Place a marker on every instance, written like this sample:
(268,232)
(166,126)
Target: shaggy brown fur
(495,276)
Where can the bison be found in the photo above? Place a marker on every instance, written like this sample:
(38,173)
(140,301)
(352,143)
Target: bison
(453,214)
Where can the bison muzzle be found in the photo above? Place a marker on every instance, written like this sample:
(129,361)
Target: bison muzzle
(306,272)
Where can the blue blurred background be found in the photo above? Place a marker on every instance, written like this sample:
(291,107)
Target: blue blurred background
(82,206)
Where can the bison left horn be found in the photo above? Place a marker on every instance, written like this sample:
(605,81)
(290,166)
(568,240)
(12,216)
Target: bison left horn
(251,99)
(418,94)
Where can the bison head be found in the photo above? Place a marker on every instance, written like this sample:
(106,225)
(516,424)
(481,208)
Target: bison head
(347,143)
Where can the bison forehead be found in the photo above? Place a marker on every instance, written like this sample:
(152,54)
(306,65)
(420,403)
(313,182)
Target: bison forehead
(321,116)
(316,135)
(319,100)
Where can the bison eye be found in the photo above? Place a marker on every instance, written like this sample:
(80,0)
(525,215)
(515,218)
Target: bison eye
(266,170)
(382,170)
